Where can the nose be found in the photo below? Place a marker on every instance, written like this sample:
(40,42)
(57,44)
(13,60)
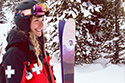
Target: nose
(41,24)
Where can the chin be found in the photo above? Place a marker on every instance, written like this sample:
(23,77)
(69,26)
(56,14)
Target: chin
(38,35)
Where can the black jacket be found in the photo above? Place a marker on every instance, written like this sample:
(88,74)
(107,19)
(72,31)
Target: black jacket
(19,51)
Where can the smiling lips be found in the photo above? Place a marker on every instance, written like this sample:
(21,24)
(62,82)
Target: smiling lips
(38,30)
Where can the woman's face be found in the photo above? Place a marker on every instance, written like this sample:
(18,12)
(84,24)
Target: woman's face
(37,25)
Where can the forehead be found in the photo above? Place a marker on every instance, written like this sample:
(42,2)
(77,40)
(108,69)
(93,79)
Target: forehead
(36,17)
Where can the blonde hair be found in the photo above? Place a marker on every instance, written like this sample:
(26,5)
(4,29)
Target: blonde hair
(36,45)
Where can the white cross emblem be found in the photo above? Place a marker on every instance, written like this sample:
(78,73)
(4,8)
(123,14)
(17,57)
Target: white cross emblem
(36,69)
(9,71)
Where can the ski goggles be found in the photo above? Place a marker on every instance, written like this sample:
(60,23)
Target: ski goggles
(39,9)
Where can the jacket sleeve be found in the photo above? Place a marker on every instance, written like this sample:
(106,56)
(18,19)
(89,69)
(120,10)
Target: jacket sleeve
(2,74)
(14,62)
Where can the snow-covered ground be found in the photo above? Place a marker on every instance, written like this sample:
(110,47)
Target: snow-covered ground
(93,73)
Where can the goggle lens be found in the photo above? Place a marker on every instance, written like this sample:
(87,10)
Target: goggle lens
(40,9)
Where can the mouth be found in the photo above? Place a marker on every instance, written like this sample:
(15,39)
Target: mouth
(38,30)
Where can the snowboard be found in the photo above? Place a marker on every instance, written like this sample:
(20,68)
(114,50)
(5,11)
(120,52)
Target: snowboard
(67,49)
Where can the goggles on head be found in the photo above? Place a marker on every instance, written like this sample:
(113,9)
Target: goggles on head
(39,9)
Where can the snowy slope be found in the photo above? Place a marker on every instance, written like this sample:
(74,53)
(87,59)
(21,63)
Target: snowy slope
(94,73)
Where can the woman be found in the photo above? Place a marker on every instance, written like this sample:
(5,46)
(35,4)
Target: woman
(26,60)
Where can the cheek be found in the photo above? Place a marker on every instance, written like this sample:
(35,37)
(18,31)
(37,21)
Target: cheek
(32,26)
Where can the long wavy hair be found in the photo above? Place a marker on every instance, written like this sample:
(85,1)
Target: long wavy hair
(36,45)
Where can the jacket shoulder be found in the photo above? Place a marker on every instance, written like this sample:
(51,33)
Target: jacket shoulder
(14,59)
(13,53)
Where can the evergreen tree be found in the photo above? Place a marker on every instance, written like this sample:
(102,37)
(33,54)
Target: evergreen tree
(8,5)
(98,34)
(94,31)
(117,45)
(2,16)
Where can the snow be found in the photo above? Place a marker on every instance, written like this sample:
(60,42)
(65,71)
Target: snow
(98,72)
(108,75)
(123,26)
(93,73)
(123,6)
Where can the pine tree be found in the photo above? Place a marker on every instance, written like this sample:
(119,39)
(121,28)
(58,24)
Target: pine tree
(93,32)
(118,42)
(2,16)
(111,38)
(98,34)
(8,5)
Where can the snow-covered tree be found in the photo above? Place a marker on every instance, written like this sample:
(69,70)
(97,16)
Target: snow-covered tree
(98,32)
(7,5)
(2,16)
(116,45)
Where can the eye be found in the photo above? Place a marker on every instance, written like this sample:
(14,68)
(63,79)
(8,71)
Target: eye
(36,20)
(42,19)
